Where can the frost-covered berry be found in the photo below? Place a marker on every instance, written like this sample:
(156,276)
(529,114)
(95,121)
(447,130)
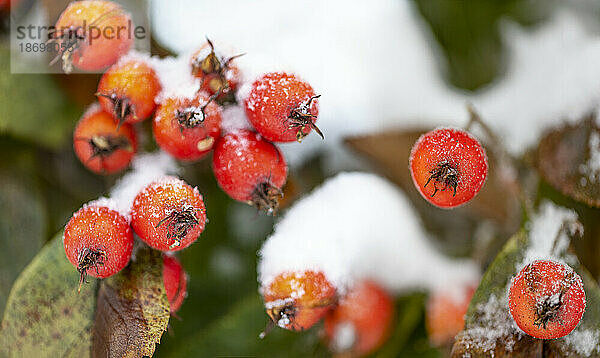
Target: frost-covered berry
(175,281)
(128,89)
(98,241)
(92,35)
(445,314)
(250,169)
(448,167)
(282,107)
(168,214)
(298,300)
(217,73)
(546,299)
(361,322)
(187,128)
(101,145)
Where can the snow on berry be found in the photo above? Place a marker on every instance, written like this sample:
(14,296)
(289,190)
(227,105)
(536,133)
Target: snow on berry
(88,34)
(234,118)
(128,89)
(298,300)
(360,226)
(282,107)
(175,78)
(146,168)
(102,145)
(448,167)
(250,169)
(168,214)
(549,234)
(175,281)
(187,129)
(546,299)
(362,320)
(98,240)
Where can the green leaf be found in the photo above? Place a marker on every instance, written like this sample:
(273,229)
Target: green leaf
(488,314)
(133,310)
(236,334)
(33,107)
(45,316)
(22,228)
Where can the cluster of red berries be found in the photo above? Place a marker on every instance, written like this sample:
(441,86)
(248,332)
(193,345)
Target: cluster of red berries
(357,323)
(247,165)
(448,167)
(168,215)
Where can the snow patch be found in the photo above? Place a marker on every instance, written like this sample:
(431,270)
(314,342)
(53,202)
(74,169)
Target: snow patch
(146,168)
(356,226)
(549,233)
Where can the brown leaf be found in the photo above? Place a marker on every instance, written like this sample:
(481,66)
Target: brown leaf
(132,311)
(390,152)
(562,160)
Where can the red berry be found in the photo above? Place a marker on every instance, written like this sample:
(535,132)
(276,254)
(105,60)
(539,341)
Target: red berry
(187,128)
(217,73)
(175,280)
(445,315)
(128,89)
(361,322)
(101,145)
(92,35)
(282,107)
(298,300)
(98,241)
(546,299)
(168,214)
(250,169)
(448,167)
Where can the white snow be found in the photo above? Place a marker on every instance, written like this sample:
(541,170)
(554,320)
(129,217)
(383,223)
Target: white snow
(377,67)
(175,77)
(356,226)
(591,169)
(544,228)
(234,118)
(344,337)
(494,324)
(146,168)
(584,342)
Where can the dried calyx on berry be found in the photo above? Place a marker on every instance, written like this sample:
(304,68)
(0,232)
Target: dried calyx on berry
(213,70)
(89,259)
(179,223)
(300,118)
(122,107)
(444,174)
(265,197)
(104,145)
(193,116)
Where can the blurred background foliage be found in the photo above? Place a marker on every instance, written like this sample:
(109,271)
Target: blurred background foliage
(42,184)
